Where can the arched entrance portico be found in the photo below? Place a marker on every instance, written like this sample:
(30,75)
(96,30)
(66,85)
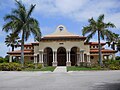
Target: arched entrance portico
(48,56)
(61,56)
(74,56)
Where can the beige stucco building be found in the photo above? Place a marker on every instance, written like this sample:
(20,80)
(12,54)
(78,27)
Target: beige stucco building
(63,48)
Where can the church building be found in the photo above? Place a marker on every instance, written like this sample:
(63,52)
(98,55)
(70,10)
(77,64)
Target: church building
(62,48)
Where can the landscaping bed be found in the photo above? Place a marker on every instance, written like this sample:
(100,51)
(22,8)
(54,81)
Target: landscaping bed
(77,68)
(27,67)
(107,65)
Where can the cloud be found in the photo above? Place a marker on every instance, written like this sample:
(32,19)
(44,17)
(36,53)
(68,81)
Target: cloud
(3,49)
(78,10)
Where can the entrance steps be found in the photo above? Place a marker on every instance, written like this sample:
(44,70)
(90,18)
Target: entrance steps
(60,69)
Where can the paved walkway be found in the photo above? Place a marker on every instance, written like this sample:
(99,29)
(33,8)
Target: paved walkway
(60,69)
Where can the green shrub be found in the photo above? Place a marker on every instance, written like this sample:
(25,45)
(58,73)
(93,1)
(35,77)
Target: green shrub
(39,66)
(113,67)
(10,67)
(112,64)
(117,57)
(1,60)
(29,65)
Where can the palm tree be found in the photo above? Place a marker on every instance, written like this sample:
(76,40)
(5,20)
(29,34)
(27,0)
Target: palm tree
(20,21)
(113,40)
(118,45)
(99,27)
(12,40)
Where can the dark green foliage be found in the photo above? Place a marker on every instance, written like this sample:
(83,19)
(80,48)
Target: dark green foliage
(20,21)
(117,57)
(10,67)
(101,28)
(12,40)
(112,64)
(4,60)
(39,66)
(18,67)
(30,66)
(1,60)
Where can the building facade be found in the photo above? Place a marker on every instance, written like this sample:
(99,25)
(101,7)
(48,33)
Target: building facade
(63,48)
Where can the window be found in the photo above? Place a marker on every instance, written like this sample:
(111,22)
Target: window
(91,57)
(61,43)
(32,58)
(61,28)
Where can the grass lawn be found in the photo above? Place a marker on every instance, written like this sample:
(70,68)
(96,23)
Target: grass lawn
(74,68)
(49,68)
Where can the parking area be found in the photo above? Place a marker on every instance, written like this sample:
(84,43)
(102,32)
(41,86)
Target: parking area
(82,80)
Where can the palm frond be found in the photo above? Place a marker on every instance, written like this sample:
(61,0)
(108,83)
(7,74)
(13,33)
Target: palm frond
(90,36)
(109,25)
(101,18)
(31,10)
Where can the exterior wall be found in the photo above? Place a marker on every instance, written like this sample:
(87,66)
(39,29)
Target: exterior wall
(36,49)
(87,49)
(66,44)
(94,60)
(27,58)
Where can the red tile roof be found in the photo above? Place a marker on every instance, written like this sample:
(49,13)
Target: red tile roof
(94,43)
(103,51)
(19,52)
(63,38)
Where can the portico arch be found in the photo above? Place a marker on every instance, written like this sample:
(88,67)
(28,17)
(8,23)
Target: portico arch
(73,55)
(61,56)
(48,56)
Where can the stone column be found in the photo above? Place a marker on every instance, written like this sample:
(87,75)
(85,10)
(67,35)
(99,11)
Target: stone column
(54,58)
(78,60)
(67,56)
(68,63)
(88,60)
(10,58)
(113,56)
(35,58)
(83,56)
(41,57)
(80,57)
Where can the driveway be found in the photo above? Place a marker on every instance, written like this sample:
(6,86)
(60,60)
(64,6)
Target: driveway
(83,80)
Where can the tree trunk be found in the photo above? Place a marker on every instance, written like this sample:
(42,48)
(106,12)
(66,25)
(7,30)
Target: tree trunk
(100,54)
(12,50)
(12,47)
(22,50)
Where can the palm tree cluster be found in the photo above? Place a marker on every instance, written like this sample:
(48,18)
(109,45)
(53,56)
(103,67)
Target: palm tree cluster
(101,28)
(12,40)
(114,42)
(20,21)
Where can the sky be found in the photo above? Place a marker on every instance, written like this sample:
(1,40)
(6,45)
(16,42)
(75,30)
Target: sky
(73,14)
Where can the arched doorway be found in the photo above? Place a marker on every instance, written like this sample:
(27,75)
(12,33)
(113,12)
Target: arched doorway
(61,56)
(48,56)
(73,55)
